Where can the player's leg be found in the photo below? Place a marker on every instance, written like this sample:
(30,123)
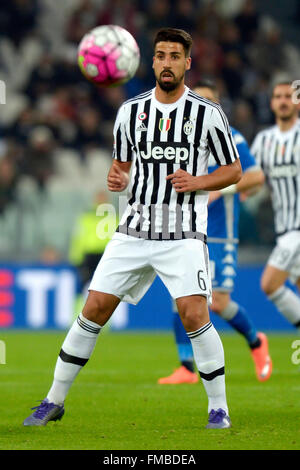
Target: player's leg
(235,315)
(186,372)
(208,353)
(284,262)
(184,269)
(239,319)
(121,274)
(223,259)
(223,265)
(74,354)
(286,301)
(80,342)
(223,268)
(184,347)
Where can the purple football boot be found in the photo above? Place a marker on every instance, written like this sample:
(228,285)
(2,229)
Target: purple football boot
(43,413)
(218,420)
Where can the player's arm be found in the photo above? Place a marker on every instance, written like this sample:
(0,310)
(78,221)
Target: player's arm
(253,177)
(222,177)
(118,175)
(221,144)
(251,182)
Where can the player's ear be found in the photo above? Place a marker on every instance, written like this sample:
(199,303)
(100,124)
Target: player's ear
(188,63)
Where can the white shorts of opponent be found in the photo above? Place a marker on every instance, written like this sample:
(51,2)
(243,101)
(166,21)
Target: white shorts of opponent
(129,266)
(286,254)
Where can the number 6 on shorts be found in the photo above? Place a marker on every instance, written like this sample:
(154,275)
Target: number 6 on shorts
(201,280)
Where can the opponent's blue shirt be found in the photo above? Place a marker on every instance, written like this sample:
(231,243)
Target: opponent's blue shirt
(223,214)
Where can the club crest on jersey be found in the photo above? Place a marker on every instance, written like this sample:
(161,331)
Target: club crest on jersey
(188,127)
(164,124)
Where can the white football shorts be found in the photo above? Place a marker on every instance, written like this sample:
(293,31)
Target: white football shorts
(129,265)
(286,254)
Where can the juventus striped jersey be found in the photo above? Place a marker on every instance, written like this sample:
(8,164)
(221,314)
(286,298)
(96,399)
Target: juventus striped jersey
(159,139)
(278,154)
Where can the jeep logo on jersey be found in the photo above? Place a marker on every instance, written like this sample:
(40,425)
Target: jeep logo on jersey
(164,152)
(284,171)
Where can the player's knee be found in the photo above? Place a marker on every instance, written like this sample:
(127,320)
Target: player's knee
(193,313)
(267,286)
(190,320)
(92,311)
(98,308)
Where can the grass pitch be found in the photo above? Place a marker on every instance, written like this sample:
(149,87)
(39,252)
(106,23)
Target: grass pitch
(116,404)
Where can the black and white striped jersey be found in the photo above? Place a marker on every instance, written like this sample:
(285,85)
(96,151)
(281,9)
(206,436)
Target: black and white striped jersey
(278,154)
(159,139)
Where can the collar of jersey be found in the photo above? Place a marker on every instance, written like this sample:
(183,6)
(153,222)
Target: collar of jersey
(169,106)
(284,135)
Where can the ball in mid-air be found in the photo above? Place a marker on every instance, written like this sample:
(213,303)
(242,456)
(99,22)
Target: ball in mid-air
(108,55)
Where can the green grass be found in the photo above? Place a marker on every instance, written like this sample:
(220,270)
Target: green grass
(116,404)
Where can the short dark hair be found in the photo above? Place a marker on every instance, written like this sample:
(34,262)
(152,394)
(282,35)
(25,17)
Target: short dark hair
(207,83)
(175,35)
(281,82)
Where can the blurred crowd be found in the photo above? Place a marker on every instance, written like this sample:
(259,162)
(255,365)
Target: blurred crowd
(56,128)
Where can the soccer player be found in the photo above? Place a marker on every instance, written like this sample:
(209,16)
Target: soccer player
(166,134)
(222,231)
(277,151)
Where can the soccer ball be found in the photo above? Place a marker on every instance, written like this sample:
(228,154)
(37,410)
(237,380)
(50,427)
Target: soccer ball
(108,55)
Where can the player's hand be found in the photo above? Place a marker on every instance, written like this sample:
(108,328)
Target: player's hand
(213,196)
(183,181)
(117,180)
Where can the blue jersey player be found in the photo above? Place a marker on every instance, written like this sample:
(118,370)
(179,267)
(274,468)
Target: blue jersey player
(222,231)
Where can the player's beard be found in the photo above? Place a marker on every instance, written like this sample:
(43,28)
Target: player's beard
(169,86)
(287,116)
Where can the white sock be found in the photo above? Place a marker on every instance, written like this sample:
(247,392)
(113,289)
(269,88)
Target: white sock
(209,358)
(75,352)
(288,304)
